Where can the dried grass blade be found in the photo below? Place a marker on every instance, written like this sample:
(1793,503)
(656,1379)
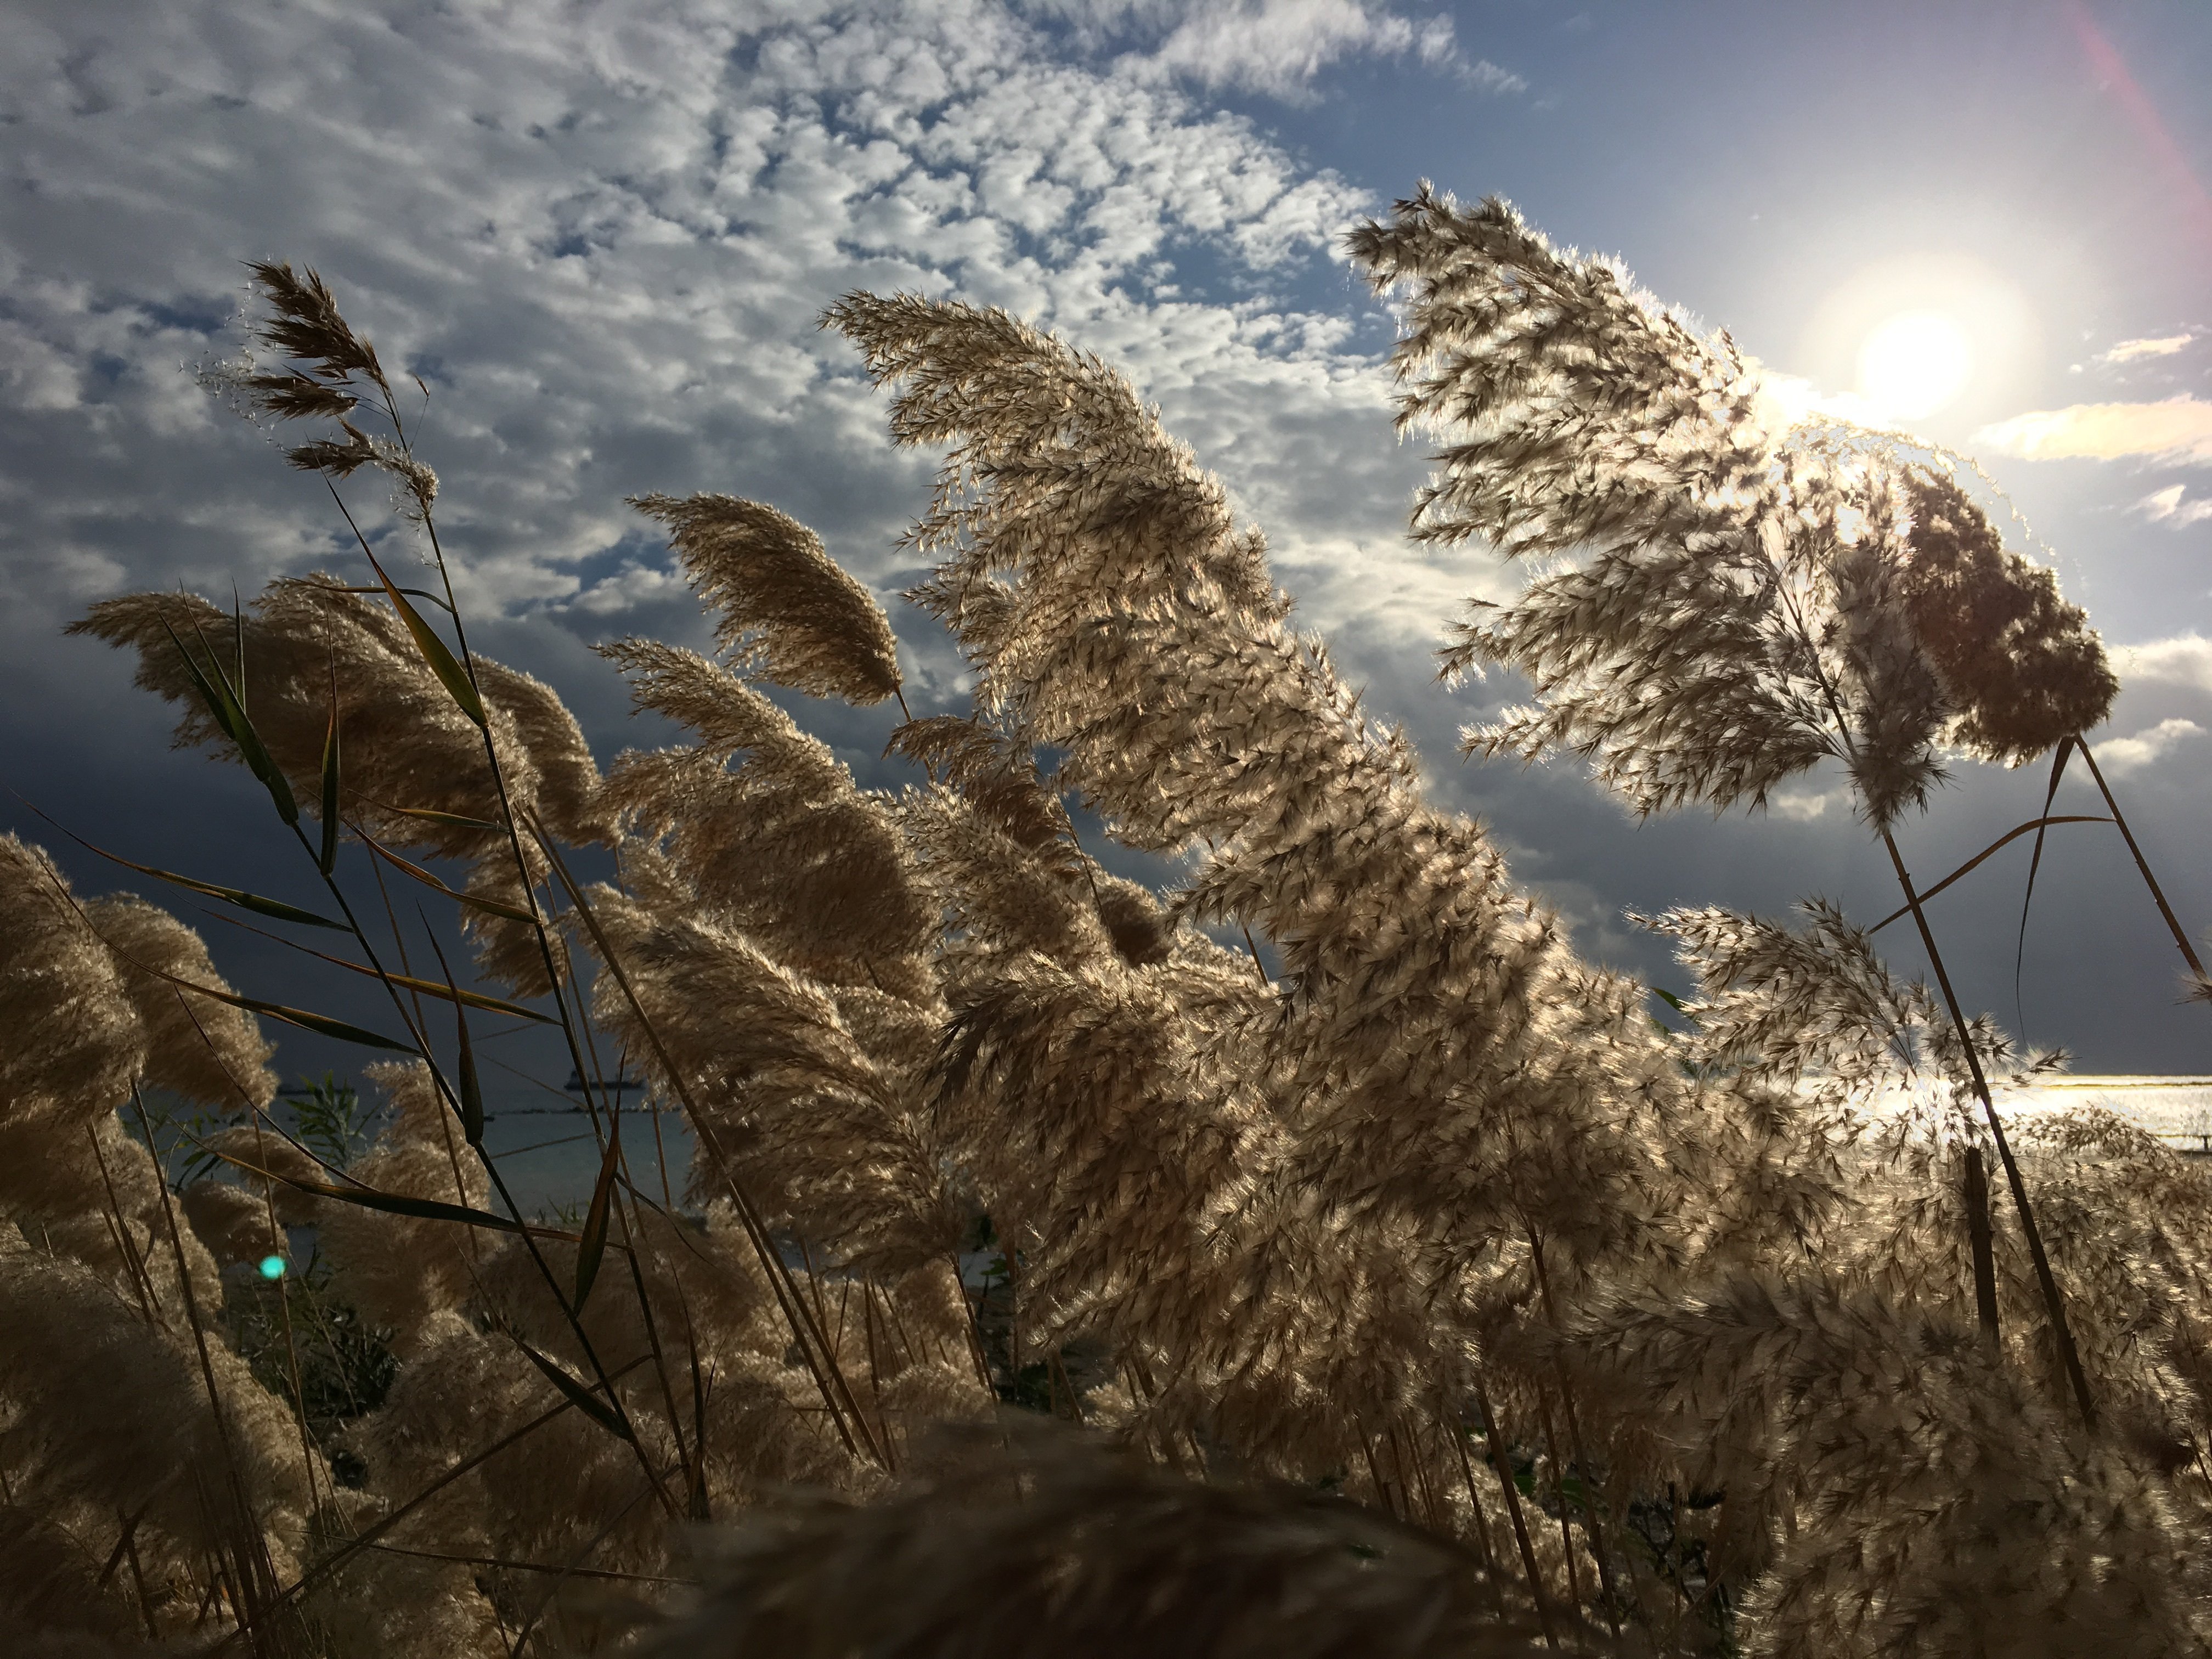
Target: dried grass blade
(2010,836)
(451,820)
(445,990)
(595,1221)
(578,1396)
(337,1558)
(406,868)
(327,856)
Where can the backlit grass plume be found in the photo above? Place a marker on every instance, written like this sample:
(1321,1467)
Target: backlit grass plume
(1398,1283)
(1738,601)
(786,606)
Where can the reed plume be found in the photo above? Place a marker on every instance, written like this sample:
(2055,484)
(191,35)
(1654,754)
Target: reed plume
(1401,1284)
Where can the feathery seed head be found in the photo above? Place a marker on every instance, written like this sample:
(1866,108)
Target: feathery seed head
(788,610)
(2021,665)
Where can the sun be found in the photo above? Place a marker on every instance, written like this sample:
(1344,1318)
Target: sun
(1913,364)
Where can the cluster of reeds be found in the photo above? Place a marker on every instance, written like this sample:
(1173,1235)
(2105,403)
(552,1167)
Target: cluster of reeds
(1400,1286)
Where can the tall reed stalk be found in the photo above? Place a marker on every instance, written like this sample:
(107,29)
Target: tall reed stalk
(1287,1216)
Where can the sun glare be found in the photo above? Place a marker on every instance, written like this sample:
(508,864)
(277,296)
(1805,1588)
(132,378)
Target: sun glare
(1913,365)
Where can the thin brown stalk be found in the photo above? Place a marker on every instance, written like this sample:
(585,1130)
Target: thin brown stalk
(418,1031)
(2054,1302)
(1503,1465)
(875,1371)
(530,1624)
(1575,1442)
(684,1455)
(1452,1429)
(138,1584)
(813,1342)
(974,1327)
(510,1566)
(2203,984)
(1420,1472)
(1559,1497)
(1978,1237)
(256,1574)
(337,1558)
(1383,1493)
(142,1282)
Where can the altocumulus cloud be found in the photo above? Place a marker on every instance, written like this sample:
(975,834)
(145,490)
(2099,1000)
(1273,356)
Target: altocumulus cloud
(601,234)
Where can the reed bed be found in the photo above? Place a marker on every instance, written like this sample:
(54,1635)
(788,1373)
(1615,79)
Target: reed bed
(1362,1270)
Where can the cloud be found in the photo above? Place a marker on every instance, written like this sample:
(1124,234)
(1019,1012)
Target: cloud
(602,235)
(2121,755)
(1272,46)
(1805,805)
(2178,429)
(2128,351)
(1486,76)
(2184,660)
(2167,507)
(1783,400)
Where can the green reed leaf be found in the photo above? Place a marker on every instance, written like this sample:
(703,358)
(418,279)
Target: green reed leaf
(307,1020)
(472,1113)
(423,1209)
(442,661)
(471,1091)
(230,715)
(275,909)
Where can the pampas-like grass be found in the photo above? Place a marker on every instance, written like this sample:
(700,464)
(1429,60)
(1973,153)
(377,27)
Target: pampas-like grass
(1060,1548)
(1736,601)
(1913,1470)
(413,775)
(1402,1285)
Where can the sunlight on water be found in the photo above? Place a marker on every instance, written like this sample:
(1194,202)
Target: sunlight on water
(2177,1109)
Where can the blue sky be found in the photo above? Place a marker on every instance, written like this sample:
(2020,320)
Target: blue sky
(602,233)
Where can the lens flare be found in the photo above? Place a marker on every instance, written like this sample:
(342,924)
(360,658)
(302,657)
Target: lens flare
(1915,364)
(273,1266)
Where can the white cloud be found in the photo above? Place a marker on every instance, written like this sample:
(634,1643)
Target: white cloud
(603,236)
(2128,351)
(2120,756)
(2177,429)
(1272,46)
(1785,400)
(2184,660)
(1486,76)
(1804,807)
(2167,507)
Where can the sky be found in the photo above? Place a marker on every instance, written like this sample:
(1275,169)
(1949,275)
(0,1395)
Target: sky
(602,233)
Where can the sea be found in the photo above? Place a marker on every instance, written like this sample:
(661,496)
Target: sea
(2176,1109)
(550,1157)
